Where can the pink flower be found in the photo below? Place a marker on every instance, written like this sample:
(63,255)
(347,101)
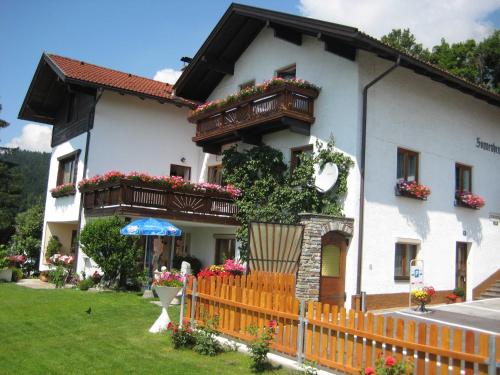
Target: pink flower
(369,371)
(390,361)
(271,324)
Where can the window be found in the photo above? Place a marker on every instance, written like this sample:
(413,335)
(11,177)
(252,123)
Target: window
(463,178)
(224,249)
(247,84)
(288,72)
(407,165)
(295,155)
(215,174)
(404,254)
(68,165)
(180,171)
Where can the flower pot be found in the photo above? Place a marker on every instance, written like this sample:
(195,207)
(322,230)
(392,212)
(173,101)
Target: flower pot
(459,299)
(6,274)
(166,295)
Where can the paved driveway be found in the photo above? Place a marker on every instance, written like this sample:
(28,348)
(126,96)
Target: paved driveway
(480,316)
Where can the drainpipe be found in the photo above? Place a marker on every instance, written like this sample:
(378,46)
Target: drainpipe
(90,123)
(362,169)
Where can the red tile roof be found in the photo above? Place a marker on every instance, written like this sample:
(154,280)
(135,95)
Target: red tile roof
(114,79)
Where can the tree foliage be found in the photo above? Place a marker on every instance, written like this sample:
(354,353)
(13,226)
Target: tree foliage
(27,238)
(274,193)
(477,62)
(115,254)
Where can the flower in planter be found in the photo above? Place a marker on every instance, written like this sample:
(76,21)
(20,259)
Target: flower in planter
(62,260)
(468,199)
(452,297)
(16,260)
(63,190)
(413,189)
(230,267)
(252,90)
(169,278)
(423,296)
(234,267)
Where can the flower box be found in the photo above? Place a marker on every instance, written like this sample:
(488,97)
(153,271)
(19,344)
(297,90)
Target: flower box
(63,190)
(412,190)
(468,200)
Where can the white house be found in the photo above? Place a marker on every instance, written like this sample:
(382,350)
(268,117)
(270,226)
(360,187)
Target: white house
(416,122)
(398,118)
(105,120)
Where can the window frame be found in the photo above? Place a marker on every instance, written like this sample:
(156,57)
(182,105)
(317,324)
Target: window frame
(461,168)
(295,152)
(217,253)
(405,275)
(62,160)
(406,152)
(212,167)
(286,69)
(181,166)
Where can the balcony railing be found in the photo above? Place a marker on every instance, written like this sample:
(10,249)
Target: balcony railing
(135,197)
(258,114)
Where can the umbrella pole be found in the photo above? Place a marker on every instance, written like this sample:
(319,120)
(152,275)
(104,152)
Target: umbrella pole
(172,248)
(148,293)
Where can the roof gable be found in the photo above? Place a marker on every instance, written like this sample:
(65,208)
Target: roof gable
(239,26)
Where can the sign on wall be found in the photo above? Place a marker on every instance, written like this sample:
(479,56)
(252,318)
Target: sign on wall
(416,276)
(492,147)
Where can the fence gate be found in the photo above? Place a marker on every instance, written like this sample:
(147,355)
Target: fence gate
(275,247)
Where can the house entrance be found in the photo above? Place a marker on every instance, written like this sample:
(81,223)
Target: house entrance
(461,266)
(333,259)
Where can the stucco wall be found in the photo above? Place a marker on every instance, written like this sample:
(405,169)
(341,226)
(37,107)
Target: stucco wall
(336,109)
(442,124)
(142,135)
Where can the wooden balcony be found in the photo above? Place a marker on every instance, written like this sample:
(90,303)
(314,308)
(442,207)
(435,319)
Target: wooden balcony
(283,107)
(134,198)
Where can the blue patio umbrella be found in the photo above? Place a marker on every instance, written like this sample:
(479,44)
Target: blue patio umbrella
(151,227)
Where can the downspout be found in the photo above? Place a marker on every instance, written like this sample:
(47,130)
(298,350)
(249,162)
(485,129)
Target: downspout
(362,169)
(90,124)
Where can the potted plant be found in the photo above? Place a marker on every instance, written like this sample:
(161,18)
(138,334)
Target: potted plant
(5,271)
(460,293)
(469,200)
(451,298)
(166,285)
(412,189)
(423,297)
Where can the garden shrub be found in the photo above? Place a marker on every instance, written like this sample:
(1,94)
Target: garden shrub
(259,348)
(54,246)
(389,366)
(57,276)
(182,336)
(118,256)
(206,338)
(86,284)
(17,274)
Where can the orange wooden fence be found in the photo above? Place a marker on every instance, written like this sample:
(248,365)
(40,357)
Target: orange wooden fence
(331,336)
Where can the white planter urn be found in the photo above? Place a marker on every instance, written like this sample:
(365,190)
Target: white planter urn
(166,294)
(6,274)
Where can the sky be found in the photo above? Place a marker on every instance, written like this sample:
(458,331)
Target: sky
(149,37)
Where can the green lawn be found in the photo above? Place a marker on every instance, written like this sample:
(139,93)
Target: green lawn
(49,332)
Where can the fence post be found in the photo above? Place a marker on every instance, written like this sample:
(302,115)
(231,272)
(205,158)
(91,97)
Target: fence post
(183,301)
(300,335)
(492,362)
(193,302)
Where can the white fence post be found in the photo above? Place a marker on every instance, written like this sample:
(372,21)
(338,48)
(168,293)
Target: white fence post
(300,335)
(193,302)
(183,302)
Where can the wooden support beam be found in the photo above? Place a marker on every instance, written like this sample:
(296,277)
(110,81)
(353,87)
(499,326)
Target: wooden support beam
(249,138)
(211,148)
(287,33)
(218,65)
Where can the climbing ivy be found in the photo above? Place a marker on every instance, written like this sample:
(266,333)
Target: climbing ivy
(274,193)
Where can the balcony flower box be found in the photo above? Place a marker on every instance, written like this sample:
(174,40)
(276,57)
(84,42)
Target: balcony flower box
(252,92)
(170,183)
(63,190)
(412,190)
(468,200)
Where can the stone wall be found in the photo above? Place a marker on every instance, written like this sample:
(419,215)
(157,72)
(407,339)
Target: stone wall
(315,227)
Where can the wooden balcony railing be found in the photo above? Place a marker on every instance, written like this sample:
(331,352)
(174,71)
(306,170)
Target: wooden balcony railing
(258,114)
(135,197)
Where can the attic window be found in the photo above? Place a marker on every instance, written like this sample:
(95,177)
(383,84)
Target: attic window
(288,72)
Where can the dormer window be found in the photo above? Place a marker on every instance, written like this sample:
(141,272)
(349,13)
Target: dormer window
(289,72)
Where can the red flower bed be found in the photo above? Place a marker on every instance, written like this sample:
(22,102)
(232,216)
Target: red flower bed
(174,183)
(466,199)
(413,189)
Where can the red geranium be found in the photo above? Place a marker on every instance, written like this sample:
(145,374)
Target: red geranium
(390,361)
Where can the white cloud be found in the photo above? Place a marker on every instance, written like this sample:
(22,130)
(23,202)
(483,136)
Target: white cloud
(167,75)
(429,20)
(33,138)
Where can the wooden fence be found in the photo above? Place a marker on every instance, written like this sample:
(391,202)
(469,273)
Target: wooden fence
(330,336)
